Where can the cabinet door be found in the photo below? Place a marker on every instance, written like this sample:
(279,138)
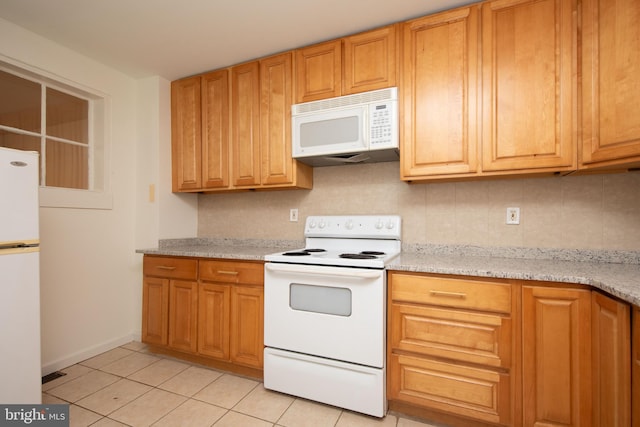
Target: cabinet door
(370,60)
(155,309)
(186,143)
(275,114)
(213,320)
(527,72)
(319,71)
(245,124)
(215,129)
(440,72)
(247,327)
(610,85)
(611,362)
(183,315)
(556,355)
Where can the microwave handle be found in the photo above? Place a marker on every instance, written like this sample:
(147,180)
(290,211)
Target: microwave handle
(308,269)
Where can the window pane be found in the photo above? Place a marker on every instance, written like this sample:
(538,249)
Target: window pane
(19,102)
(67,116)
(19,142)
(67,165)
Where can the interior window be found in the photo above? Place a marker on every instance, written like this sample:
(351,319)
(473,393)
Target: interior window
(36,116)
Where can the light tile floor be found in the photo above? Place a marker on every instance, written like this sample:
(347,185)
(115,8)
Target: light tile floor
(128,386)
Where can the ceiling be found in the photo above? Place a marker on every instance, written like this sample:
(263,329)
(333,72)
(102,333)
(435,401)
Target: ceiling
(173,39)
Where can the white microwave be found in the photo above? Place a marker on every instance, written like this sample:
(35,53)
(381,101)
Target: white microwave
(360,128)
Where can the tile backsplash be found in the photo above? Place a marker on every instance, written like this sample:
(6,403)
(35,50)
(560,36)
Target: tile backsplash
(573,212)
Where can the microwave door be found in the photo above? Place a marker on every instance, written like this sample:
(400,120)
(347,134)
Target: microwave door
(329,132)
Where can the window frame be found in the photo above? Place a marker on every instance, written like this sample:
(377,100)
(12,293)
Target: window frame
(99,194)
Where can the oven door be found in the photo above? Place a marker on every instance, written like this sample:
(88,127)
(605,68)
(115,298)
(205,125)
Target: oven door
(332,312)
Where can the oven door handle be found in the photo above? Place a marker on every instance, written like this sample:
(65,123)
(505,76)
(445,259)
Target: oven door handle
(308,269)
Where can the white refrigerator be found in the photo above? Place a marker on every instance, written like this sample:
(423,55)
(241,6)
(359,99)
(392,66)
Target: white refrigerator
(20,366)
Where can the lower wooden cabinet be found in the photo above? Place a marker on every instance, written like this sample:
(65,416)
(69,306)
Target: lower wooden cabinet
(205,308)
(155,310)
(183,315)
(556,356)
(167,301)
(450,346)
(611,361)
(477,352)
(247,325)
(213,320)
(469,391)
(230,323)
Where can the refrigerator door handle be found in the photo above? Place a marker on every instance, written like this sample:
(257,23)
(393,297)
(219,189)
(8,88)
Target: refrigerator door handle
(18,245)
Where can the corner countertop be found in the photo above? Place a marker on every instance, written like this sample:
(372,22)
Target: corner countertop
(615,272)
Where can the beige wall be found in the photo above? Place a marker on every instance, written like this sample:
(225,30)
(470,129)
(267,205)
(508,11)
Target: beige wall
(583,212)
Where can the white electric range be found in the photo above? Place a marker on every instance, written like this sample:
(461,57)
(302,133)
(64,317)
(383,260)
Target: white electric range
(325,312)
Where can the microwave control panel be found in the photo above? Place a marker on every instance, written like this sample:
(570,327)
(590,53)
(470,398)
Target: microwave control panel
(384,125)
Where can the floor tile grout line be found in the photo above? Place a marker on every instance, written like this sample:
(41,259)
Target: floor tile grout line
(187,398)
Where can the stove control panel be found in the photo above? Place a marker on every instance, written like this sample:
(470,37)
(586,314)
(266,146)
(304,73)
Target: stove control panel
(354,226)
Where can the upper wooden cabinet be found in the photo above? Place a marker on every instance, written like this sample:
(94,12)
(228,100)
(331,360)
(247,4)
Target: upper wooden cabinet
(509,110)
(319,71)
(610,85)
(528,71)
(276,96)
(245,124)
(186,134)
(200,132)
(370,60)
(353,64)
(440,83)
(215,129)
(231,129)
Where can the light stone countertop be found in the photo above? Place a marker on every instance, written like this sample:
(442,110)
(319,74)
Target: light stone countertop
(238,249)
(615,272)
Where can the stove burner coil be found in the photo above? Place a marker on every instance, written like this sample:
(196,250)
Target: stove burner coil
(358,256)
(314,250)
(296,253)
(372,253)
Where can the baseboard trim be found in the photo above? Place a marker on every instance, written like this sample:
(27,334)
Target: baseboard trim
(79,356)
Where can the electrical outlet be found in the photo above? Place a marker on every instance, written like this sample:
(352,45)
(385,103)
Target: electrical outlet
(513,216)
(293,215)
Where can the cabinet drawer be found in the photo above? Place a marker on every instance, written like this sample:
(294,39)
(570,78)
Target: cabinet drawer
(450,292)
(170,267)
(232,272)
(481,394)
(479,338)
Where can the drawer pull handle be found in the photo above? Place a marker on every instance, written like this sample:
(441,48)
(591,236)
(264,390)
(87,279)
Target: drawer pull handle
(165,267)
(230,273)
(448,294)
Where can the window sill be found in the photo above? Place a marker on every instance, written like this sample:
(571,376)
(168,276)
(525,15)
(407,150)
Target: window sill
(79,199)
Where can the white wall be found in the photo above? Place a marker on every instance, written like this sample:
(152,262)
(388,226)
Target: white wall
(90,273)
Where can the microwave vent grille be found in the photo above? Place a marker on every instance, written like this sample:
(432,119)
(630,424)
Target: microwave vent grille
(389,94)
